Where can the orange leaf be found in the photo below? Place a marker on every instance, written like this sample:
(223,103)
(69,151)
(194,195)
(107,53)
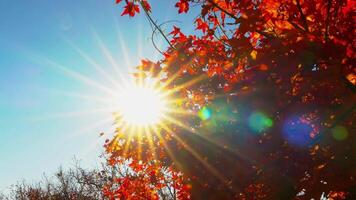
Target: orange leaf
(263,67)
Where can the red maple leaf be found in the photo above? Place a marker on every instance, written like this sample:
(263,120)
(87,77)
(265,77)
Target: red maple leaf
(183,6)
(146,6)
(175,31)
(130,9)
(201,25)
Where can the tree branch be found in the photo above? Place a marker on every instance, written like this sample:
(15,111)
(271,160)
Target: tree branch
(327,21)
(223,10)
(305,24)
(236,18)
(156,26)
(296,26)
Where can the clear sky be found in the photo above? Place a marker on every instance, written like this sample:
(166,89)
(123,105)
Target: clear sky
(51,53)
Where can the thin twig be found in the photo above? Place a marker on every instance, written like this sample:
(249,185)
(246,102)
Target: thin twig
(153,41)
(236,18)
(219,25)
(154,32)
(296,26)
(157,27)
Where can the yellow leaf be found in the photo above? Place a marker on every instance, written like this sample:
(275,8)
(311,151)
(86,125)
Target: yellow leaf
(283,24)
(321,166)
(253,54)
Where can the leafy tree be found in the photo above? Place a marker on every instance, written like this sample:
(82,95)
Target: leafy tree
(78,183)
(273,98)
(270,88)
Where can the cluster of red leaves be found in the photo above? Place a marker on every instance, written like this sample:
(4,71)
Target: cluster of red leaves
(147,176)
(242,40)
(132,7)
(297,55)
(147,181)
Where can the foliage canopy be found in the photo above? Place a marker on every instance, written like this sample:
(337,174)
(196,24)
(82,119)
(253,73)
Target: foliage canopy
(277,96)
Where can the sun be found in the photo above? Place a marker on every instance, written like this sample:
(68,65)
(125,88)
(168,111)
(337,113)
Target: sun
(141,105)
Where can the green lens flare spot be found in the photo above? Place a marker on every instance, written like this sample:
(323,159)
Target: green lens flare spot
(259,122)
(269,122)
(204,113)
(339,133)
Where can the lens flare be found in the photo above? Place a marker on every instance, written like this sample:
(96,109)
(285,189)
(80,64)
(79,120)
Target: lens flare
(339,133)
(141,105)
(204,113)
(259,122)
(299,131)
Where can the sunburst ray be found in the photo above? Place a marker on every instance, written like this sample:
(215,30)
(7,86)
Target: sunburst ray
(92,63)
(106,53)
(194,153)
(77,76)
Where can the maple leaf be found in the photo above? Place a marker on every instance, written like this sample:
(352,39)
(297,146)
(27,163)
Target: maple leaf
(201,25)
(146,6)
(183,6)
(130,9)
(118,1)
(175,31)
(213,20)
(178,36)
(148,66)
(258,42)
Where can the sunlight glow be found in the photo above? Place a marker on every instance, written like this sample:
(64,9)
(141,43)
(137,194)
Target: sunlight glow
(146,109)
(141,105)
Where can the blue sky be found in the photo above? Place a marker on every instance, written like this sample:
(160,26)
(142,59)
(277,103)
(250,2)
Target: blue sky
(46,109)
